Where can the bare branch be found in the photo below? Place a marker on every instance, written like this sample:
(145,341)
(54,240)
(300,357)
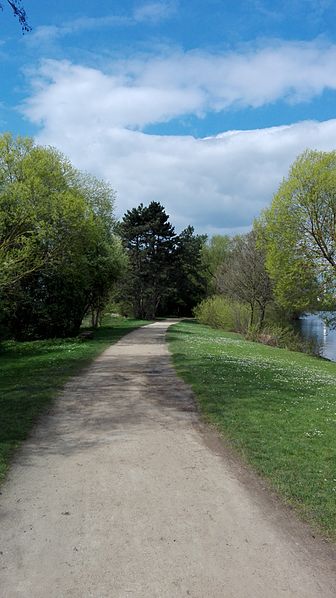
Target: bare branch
(20,13)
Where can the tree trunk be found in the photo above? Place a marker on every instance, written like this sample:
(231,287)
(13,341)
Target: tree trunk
(94,317)
(262,316)
(252,314)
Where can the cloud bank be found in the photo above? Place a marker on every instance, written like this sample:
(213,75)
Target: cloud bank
(140,91)
(217,184)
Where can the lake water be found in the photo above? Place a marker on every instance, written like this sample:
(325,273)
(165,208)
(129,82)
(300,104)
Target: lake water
(313,327)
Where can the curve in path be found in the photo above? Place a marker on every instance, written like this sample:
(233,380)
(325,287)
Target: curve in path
(118,494)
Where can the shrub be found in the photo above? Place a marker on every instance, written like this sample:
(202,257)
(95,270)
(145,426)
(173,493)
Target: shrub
(221,312)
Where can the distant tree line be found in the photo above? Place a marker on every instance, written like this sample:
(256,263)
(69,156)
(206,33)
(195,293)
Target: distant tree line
(237,271)
(287,264)
(64,256)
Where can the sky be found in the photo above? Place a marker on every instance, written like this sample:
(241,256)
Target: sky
(201,105)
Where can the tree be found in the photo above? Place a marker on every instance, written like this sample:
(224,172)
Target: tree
(58,250)
(300,233)
(243,276)
(188,275)
(20,13)
(107,260)
(24,206)
(149,240)
(214,254)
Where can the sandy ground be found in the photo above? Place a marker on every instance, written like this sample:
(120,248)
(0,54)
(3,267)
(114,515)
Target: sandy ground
(119,492)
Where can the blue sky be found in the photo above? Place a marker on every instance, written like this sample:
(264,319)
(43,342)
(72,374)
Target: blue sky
(201,105)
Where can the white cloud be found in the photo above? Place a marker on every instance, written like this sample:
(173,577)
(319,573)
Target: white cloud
(90,23)
(110,100)
(293,71)
(151,12)
(314,9)
(154,11)
(217,184)
(214,183)
(47,33)
(152,89)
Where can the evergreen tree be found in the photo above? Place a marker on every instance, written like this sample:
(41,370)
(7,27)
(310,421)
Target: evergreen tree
(150,240)
(189,277)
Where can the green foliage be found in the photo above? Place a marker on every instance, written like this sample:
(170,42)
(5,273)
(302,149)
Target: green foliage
(165,273)
(243,276)
(17,217)
(188,277)
(59,254)
(214,254)
(283,337)
(222,312)
(225,313)
(280,316)
(242,280)
(277,408)
(149,240)
(299,233)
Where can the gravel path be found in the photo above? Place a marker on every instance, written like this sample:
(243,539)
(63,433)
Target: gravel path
(119,492)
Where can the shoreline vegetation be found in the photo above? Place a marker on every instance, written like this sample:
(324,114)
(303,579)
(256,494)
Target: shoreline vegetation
(277,408)
(34,372)
(278,329)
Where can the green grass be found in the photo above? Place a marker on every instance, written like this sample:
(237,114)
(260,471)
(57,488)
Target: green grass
(32,373)
(276,407)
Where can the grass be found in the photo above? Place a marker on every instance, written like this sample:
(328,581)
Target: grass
(276,407)
(32,373)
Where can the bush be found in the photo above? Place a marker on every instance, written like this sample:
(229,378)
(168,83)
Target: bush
(221,312)
(283,337)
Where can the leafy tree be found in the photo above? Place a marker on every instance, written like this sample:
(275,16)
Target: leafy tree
(25,211)
(300,233)
(19,12)
(107,260)
(214,254)
(243,276)
(58,250)
(149,239)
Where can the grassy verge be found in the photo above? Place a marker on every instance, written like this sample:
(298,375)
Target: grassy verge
(31,374)
(277,408)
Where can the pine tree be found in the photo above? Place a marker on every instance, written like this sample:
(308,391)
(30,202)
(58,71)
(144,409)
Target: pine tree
(149,239)
(189,277)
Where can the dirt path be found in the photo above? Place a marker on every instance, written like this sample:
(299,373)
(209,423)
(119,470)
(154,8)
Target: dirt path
(119,494)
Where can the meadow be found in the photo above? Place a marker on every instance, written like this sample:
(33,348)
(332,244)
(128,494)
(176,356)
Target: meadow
(277,408)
